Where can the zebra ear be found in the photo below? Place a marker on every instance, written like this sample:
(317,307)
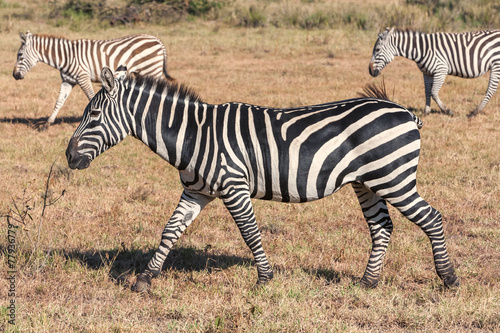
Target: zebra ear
(108,79)
(121,72)
(385,33)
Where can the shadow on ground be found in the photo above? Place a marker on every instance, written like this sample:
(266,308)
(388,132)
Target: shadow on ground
(420,111)
(40,123)
(125,262)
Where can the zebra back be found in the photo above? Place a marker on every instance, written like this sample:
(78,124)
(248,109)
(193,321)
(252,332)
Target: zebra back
(379,91)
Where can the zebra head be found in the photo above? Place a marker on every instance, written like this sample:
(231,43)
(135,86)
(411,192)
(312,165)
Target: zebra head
(27,56)
(383,52)
(103,123)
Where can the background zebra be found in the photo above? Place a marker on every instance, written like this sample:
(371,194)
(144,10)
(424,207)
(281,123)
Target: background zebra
(237,151)
(80,61)
(468,55)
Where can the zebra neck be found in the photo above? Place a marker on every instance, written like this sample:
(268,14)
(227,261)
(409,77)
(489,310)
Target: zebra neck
(408,44)
(168,126)
(53,51)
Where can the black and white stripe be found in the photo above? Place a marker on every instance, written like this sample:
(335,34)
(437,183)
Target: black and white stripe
(467,55)
(80,61)
(237,151)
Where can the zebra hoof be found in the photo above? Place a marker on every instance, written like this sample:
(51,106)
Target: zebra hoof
(451,281)
(42,127)
(365,283)
(143,284)
(264,278)
(472,114)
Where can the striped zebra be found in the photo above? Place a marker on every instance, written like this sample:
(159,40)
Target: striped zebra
(237,151)
(80,61)
(467,55)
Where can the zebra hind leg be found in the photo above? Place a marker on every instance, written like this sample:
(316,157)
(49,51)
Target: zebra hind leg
(379,222)
(417,210)
(492,88)
(239,205)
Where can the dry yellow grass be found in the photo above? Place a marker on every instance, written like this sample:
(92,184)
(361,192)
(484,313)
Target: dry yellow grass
(105,228)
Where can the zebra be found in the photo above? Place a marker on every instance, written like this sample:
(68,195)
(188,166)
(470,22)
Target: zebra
(237,151)
(467,55)
(80,61)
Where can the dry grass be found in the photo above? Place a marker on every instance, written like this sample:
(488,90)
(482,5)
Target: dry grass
(105,228)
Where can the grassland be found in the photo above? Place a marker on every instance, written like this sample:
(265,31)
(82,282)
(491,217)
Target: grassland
(76,263)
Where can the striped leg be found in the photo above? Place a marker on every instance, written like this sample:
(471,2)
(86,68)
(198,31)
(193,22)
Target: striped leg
(187,209)
(380,224)
(417,210)
(239,205)
(492,88)
(437,83)
(86,85)
(428,93)
(64,92)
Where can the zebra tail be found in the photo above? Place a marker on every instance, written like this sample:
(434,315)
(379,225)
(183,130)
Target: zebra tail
(167,76)
(379,91)
(417,120)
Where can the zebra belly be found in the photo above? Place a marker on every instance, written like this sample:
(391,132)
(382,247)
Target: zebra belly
(472,75)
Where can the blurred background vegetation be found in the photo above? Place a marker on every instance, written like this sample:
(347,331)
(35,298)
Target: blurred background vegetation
(423,15)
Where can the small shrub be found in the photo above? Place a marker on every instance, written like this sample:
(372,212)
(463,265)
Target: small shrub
(253,17)
(318,19)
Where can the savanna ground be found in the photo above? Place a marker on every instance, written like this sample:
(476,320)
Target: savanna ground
(75,263)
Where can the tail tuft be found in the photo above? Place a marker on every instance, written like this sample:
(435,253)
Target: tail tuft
(417,120)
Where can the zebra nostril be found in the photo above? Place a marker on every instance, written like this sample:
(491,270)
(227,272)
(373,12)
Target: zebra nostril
(71,152)
(69,156)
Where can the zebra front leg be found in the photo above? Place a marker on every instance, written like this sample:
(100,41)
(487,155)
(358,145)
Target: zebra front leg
(417,210)
(492,88)
(428,93)
(437,83)
(187,209)
(239,205)
(377,216)
(64,92)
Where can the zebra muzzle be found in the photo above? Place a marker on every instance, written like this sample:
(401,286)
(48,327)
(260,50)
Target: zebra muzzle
(373,71)
(75,159)
(18,75)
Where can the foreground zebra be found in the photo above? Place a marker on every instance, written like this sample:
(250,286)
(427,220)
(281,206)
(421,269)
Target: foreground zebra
(237,151)
(468,55)
(80,61)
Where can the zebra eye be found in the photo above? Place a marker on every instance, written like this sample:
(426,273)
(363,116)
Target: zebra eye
(95,112)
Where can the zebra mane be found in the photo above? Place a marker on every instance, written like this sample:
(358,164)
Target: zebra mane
(405,29)
(375,91)
(171,88)
(49,36)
